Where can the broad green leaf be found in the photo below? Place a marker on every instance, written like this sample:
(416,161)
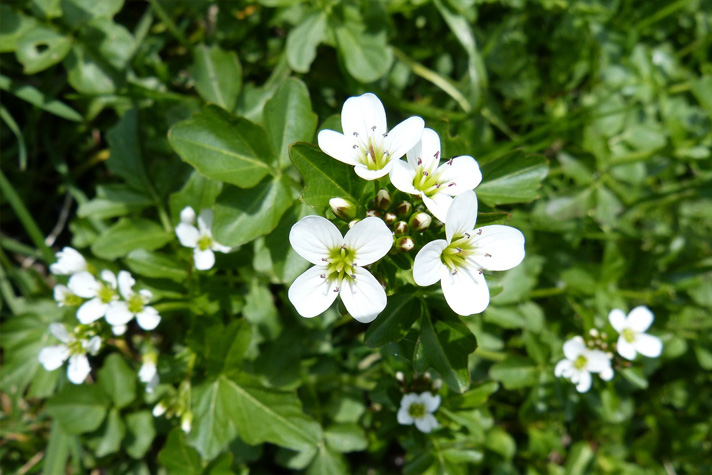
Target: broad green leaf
(223,147)
(514,178)
(401,312)
(303,40)
(476,396)
(275,254)
(242,215)
(113,201)
(198,192)
(140,433)
(288,118)
(325,177)
(125,157)
(41,47)
(217,74)
(328,462)
(48,8)
(225,347)
(178,458)
(78,408)
(348,437)
(79,12)
(128,235)
(118,380)
(153,264)
(108,438)
(57,452)
(212,428)
(364,52)
(447,343)
(580,456)
(501,442)
(13,25)
(22,339)
(702,89)
(515,372)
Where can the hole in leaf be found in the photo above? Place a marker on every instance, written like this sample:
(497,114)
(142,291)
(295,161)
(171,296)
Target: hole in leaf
(41,47)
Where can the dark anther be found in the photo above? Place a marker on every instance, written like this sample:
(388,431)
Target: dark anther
(420,162)
(373,128)
(355,134)
(323,276)
(479,232)
(454,271)
(355,147)
(451,184)
(467,235)
(458,249)
(325,259)
(437,155)
(336,289)
(425,173)
(488,255)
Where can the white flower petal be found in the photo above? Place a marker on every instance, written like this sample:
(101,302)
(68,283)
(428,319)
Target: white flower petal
(409,399)
(312,237)
(461,216)
(370,239)
(361,113)
(625,349)
(148,319)
(563,368)
(60,294)
(648,345)
(220,248)
(465,291)
(338,146)
(403,137)
(93,345)
(311,294)
(574,347)
(618,320)
(59,332)
(126,283)
(438,205)
(459,174)
(52,357)
(69,261)
(640,319)
(363,296)
(84,285)
(187,234)
(426,423)
(146,294)
(428,266)
(597,361)
(109,277)
(584,381)
(91,311)
(402,176)
(497,247)
(147,372)
(370,175)
(203,260)
(118,313)
(78,369)
(431,402)
(403,416)
(205,222)
(119,330)
(606,374)
(429,153)
(151,385)
(187,215)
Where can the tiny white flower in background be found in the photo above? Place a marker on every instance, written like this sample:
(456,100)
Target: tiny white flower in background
(100,292)
(633,339)
(200,238)
(186,422)
(423,176)
(418,409)
(134,305)
(338,268)
(580,362)
(366,142)
(457,262)
(69,261)
(65,297)
(148,373)
(159,409)
(119,330)
(52,357)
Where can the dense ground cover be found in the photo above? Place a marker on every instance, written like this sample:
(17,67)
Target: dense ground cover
(591,125)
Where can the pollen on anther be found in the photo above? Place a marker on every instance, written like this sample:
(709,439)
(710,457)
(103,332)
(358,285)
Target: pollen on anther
(425,173)
(373,128)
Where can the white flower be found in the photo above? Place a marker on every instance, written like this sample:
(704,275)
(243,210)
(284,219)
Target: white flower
(65,297)
(458,261)
(148,373)
(423,176)
(418,409)
(633,339)
(366,143)
(69,261)
(100,292)
(52,357)
(186,422)
(580,362)
(338,266)
(134,305)
(159,409)
(200,238)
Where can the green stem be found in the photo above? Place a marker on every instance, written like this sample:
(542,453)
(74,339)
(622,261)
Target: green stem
(166,19)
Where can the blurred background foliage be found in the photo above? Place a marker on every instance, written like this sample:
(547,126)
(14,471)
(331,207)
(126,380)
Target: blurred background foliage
(616,94)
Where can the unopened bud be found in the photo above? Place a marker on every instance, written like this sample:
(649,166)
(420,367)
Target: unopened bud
(405,244)
(404,208)
(390,218)
(186,422)
(400,376)
(373,212)
(187,216)
(352,222)
(593,332)
(420,221)
(343,209)
(383,199)
(159,409)
(401,228)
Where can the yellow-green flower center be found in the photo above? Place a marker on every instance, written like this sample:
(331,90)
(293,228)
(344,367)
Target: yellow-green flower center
(105,293)
(454,256)
(580,362)
(629,335)
(427,180)
(76,348)
(205,242)
(340,264)
(416,410)
(136,303)
(72,300)
(372,154)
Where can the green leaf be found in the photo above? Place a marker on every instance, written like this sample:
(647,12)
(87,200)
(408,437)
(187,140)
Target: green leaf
(40,48)
(128,235)
(401,312)
(579,458)
(78,408)
(515,372)
(447,343)
(303,40)
(502,443)
(347,437)
(48,8)
(118,380)
(178,458)
(37,98)
(79,12)
(198,192)
(141,433)
(223,147)
(217,75)
(514,178)
(114,200)
(159,266)
(288,118)
(242,215)
(125,157)
(276,254)
(475,397)
(13,25)
(702,89)
(225,347)
(57,453)
(22,340)
(325,177)
(212,428)
(108,439)
(328,462)
(365,52)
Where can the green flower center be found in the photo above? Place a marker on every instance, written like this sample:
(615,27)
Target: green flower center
(629,335)
(372,153)
(106,293)
(75,347)
(427,181)
(72,300)
(454,256)
(136,303)
(205,242)
(416,410)
(580,362)
(340,264)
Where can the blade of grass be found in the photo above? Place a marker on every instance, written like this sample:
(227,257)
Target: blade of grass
(12,125)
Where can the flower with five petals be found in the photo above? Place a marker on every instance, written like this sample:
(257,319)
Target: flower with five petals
(633,339)
(134,305)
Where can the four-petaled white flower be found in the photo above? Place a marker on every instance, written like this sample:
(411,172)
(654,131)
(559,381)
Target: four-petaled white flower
(580,362)
(633,339)
(121,312)
(100,292)
(148,373)
(52,357)
(366,142)
(200,238)
(69,261)
(338,266)
(458,261)
(65,297)
(418,409)
(423,176)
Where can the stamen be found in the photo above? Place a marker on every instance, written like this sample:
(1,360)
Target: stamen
(336,289)
(355,134)
(343,246)
(449,162)
(488,255)
(353,276)
(437,155)
(479,232)
(420,161)
(458,249)
(437,185)
(454,271)
(425,173)
(467,235)
(479,271)
(355,147)
(451,184)
(385,135)
(323,276)
(325,259)
(373,128)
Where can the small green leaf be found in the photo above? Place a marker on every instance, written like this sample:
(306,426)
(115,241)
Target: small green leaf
(57,452)
(223,147)
(365,52)
(303,40)
(40,48)
(198,192)
(328,462)
(118,380)
(515,372)
(78,408)
(37,98)
(13,25)
(141,433)
(128,235)
(277,254)
(514,178)
(125,157)
(402,311)
(178,458)
(225,347)
(155,265)
(108,439)
(347,437)
(113,201)
(212,429)
(79,12)
(217,75)
(476,396)
(702,90)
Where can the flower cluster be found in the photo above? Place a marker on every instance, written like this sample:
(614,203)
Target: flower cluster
(200,238)
(434,190)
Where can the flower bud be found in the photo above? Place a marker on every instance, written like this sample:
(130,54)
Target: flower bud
(187,216)
(353,222)
(405,244)
(420,221)
(343,209)
(389,218)
(159,409)
(383,199)
(186,422)
(373,212)
(404,208)
(401,228)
